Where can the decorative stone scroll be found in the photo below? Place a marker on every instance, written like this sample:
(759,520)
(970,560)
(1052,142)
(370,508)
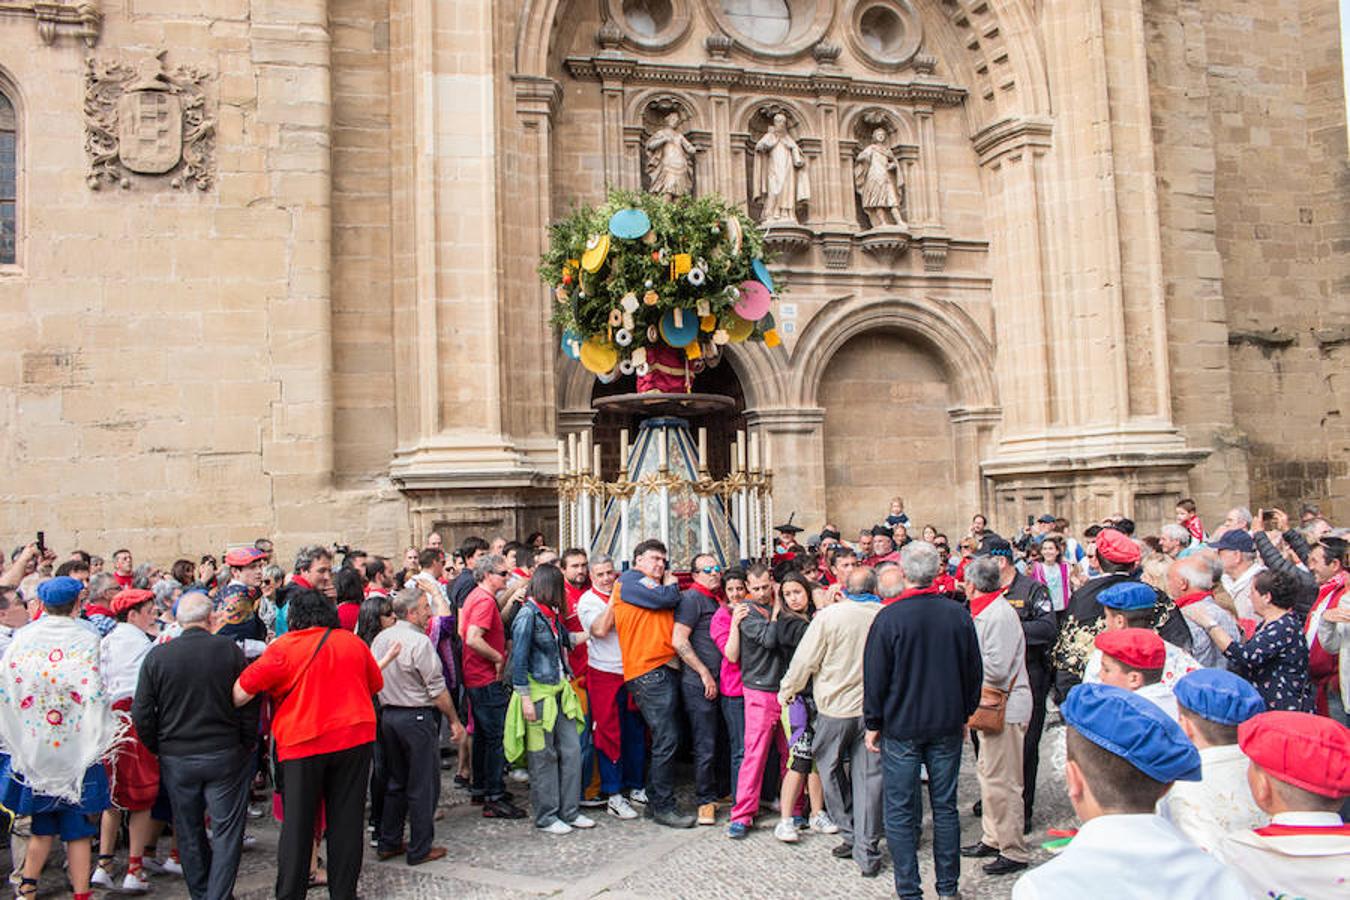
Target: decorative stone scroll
(80,18)
(143,119)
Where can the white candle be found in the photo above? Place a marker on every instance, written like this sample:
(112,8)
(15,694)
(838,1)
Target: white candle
(596,450)
(623,449)
(703,452)
(768,455)
(572,450)
(703,524)
(754,451)
(586,452)
(740,451)
(623,532)
(562,457)
(661,447)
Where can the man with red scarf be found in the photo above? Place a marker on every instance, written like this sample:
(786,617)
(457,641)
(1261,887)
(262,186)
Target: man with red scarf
(576,581)
(1327,562)
(693,641)
(1190,582)
(883,547)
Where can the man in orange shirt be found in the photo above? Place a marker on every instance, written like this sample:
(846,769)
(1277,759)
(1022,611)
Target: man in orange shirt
(643,606)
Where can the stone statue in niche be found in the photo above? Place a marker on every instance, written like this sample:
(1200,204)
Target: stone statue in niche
(780,175)
(880,182)
(670,161)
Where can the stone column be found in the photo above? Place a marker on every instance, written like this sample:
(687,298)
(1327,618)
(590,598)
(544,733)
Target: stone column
(972,440)
(797,450)
(724,174)
(929,206)
(834,184)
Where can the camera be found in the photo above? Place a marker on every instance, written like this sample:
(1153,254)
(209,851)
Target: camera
(342,549)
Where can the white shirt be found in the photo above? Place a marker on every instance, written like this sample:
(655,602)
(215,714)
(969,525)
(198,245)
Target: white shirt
(1161,696)
(1206,810)
(1240,589)
(602,652)
(1130,857)
(1310,865)
(122,652)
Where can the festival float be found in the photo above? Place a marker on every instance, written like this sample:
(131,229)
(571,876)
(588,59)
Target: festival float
(655,288)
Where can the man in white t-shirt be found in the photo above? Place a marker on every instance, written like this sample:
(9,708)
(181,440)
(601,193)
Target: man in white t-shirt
(618,733)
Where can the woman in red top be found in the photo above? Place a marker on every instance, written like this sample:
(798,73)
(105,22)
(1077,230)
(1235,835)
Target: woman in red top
(320,678)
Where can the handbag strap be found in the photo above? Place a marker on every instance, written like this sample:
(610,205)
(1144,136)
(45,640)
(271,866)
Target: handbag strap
(303,669)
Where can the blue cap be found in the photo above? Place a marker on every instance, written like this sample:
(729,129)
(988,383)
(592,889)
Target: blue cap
(1133,728)
(1219,696)
(1128,595)
(60,591)
(1235,540)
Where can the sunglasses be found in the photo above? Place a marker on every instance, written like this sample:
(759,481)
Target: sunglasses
(708,570)
(503,573)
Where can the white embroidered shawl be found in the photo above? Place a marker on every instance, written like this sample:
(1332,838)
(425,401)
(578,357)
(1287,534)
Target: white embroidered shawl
(55,719)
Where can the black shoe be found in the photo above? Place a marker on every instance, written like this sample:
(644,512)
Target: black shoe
(978,809)
(502,809)
(978,850)
(843,851)
(1004,866)
(673,818)
(870,871)
(1026,827)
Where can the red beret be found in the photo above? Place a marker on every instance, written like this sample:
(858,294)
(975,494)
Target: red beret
(130,599)
(243,556)
(1308,751)
(1138,648)
(1116,547)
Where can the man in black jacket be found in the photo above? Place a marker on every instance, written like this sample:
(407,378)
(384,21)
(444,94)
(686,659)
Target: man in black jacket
(184,713)
(922,674)
(1031,600)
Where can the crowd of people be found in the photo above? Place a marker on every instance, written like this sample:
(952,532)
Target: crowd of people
(1201,678)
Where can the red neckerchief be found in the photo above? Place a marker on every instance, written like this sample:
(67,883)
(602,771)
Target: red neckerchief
(1186,600)
(123,580)
(945,583)
(303,582)
(1275,830)
(912,592)
(550,613)
(1331,594)
(601,594)
(93,609)
(826,576)
(709,593)
(1196,529)
(521,573)
(980,602)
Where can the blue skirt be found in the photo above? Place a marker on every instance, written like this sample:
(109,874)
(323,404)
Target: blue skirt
(21,800)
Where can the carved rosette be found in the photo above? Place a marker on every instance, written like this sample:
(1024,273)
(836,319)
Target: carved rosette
(143,119)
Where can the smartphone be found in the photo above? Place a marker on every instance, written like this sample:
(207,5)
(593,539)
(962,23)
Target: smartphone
(1031,520)
(42,542)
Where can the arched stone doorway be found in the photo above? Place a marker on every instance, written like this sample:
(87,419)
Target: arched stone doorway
(886,431)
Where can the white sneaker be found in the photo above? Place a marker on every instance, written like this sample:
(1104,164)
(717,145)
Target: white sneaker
(582,821)
(786,832)
(134,884)
(823,824)
(558,827)
(520,776)
(173,867)
(102,878)
(620,808)
(638,795)
(152,865)
(250,842)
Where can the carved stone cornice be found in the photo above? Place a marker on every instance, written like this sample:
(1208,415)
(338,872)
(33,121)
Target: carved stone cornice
(1009,135)
(634,71)
(79,18)
(536,96)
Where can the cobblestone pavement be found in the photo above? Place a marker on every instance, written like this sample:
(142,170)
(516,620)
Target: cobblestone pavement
(637,859)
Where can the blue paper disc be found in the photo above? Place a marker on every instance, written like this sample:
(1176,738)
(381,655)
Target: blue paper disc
(571,344)
(629,224)
(683,334)
(762,273)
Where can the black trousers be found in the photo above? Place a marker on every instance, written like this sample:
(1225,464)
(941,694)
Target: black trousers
(410,741)
(339,780)
(1039,676)
(704,718)
(213,785)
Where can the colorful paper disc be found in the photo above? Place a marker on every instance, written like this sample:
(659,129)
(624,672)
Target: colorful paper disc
(599,357)
(762,273)
(754,302)
(629,224)
(679,335)
(597,249)
(737,329)
(571,344)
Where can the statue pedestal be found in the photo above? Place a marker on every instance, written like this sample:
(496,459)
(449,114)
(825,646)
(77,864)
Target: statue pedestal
(787,237)
(886,242)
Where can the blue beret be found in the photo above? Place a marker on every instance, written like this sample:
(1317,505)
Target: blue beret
(61,591)
(1128,595)
(1133,728)
(1219,696)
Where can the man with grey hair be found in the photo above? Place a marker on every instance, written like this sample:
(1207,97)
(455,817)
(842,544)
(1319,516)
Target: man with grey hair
(414,690)
(1237,552)
(484,635)
(184,713)
(999,764)
(1191,582)
(921,682)
(830,657)
(889,579)
(1175,541)
(98,605)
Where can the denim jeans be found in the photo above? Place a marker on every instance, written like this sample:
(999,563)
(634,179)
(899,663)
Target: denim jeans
(657,696)
(900,764)
(733,713)
(488,706)
(704,718)
(211,785)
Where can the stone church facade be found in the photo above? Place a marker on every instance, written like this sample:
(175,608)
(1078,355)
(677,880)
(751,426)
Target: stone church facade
(269,266)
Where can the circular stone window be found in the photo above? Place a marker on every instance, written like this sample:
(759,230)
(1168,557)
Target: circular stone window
(773,29)
(648,17)
(650,24)
(885,33)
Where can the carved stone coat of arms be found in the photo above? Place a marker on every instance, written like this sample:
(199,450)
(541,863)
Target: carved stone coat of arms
(146,120)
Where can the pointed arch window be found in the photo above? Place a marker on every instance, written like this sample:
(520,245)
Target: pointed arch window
(9,181)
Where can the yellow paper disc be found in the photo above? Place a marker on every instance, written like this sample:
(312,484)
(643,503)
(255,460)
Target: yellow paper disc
(738,329)
(599,357)
(597,250)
